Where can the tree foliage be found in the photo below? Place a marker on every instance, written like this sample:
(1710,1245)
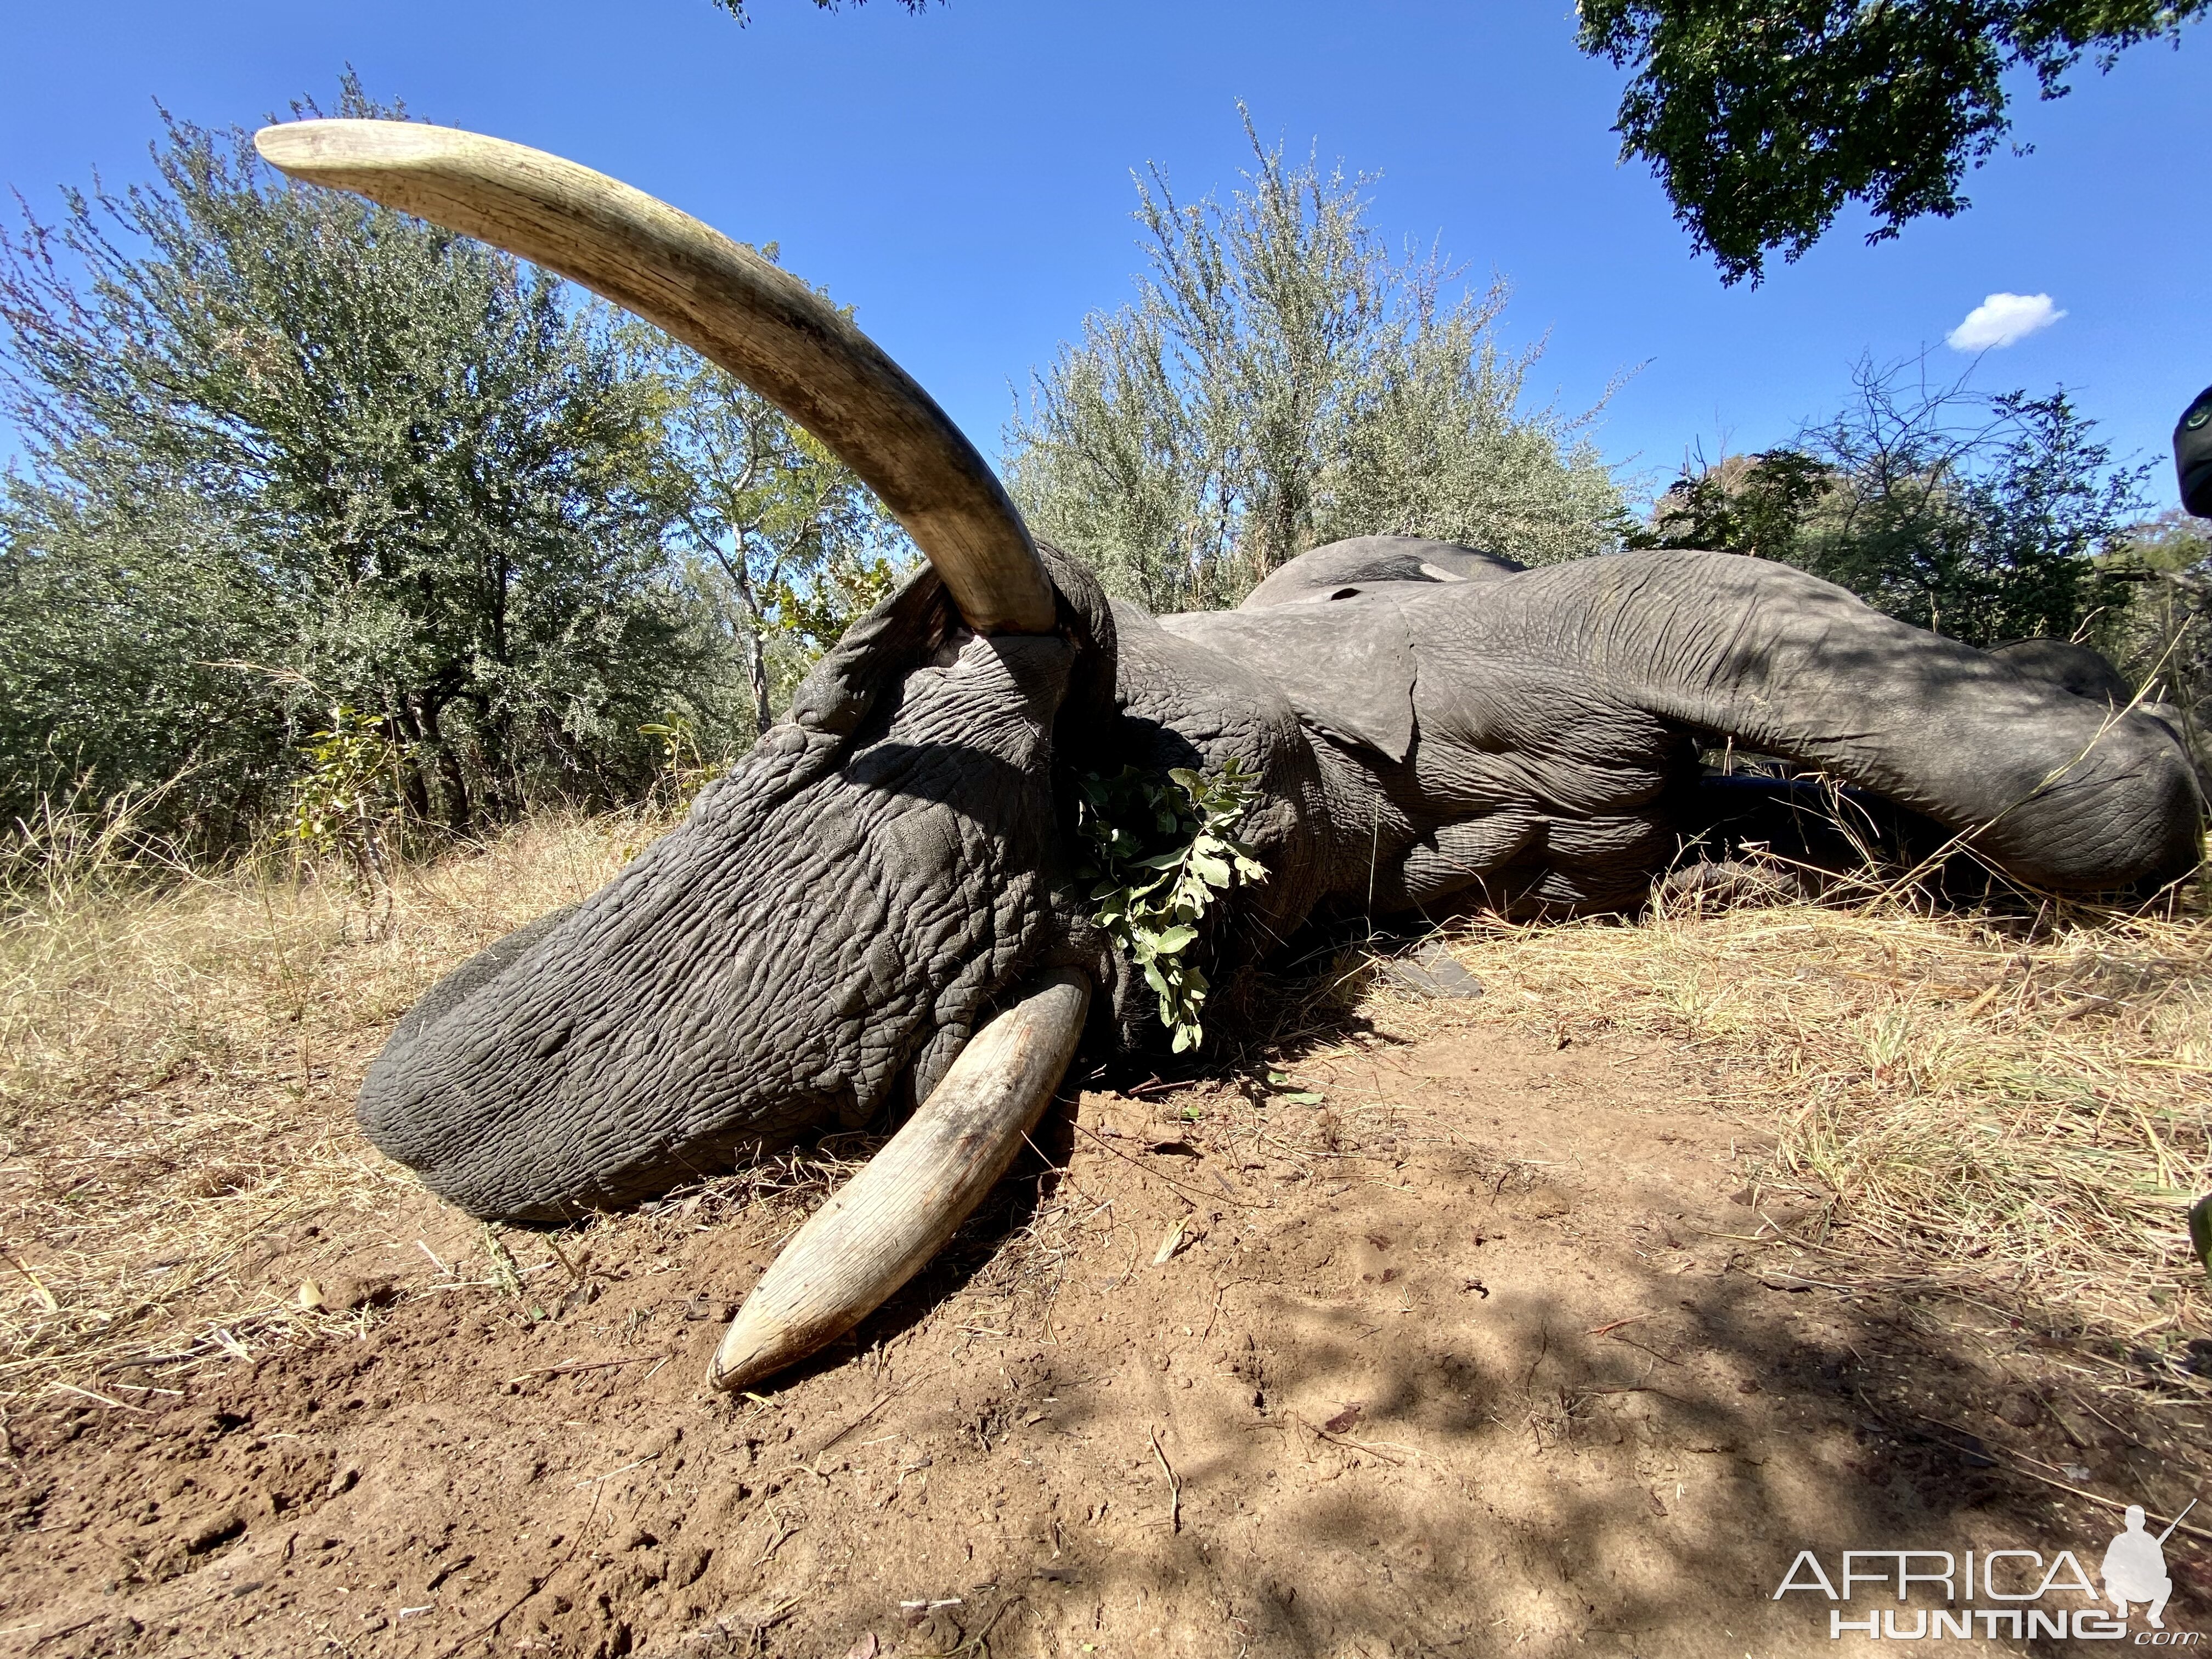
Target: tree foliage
(1763,118)
(294,461)
(290,451)
(1751,504)
(1281,382)
(1157,851)
(1986,517)
(784,537)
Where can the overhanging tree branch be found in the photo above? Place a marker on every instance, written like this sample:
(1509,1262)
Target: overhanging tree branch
(1762,119)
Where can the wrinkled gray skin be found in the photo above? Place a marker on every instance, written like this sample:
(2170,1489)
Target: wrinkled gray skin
(2087,673)
(1432,727)
(2077,668)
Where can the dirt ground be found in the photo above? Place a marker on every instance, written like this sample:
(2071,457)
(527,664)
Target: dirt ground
(1443,1339)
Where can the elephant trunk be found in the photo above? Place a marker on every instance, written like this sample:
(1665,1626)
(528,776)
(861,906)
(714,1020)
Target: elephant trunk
(2060,792)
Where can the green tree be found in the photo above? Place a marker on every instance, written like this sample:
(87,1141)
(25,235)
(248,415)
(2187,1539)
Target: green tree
(1981,516)
(788,542)
(1763,118)
(1281,382)
(287,451)
(1985,517)
(1755,505)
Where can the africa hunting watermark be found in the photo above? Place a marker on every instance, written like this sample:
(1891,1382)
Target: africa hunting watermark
(2133,1571)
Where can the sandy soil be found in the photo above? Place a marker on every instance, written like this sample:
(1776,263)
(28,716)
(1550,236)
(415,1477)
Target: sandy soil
(1453,1343)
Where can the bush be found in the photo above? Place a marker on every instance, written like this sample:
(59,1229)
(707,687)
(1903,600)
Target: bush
(1984,517)
(290,452)
(1280,382)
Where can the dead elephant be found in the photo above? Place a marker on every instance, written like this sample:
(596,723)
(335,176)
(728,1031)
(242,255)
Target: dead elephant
(877,906)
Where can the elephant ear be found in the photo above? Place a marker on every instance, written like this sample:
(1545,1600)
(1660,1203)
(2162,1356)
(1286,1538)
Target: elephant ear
(916,620)
(1346,667)
(876,651)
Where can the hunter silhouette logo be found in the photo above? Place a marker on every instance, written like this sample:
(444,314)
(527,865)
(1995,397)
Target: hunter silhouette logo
(2024,1595)
(2135,1567)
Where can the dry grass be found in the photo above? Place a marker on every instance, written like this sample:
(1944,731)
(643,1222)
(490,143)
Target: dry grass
(2022,1119)
(178,1056)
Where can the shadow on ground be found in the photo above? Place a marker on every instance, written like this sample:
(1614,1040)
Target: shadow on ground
(1466,1344)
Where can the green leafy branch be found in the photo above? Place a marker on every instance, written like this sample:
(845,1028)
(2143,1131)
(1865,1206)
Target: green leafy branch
(1159,850)
(352,790)
(684,768)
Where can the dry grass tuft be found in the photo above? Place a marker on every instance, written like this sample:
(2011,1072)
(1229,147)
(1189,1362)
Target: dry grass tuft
(2021,1118)
(178,1056)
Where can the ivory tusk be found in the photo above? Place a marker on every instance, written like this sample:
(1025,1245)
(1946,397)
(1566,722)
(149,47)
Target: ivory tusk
(877,1230)
(763,325)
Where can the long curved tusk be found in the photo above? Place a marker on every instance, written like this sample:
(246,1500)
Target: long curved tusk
(762,325)
(877,1230)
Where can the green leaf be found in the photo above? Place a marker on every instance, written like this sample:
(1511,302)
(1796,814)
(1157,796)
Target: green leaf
(2200,1230)
(1147,894)
(1300,1097)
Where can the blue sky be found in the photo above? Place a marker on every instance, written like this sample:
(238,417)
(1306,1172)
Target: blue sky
(962,178)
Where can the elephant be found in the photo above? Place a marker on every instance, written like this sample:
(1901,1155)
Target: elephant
(2087,673)
(2069,665)
(875,914)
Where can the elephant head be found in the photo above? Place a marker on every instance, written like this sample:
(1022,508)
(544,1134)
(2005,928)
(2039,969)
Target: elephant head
(873,909)
(838,914)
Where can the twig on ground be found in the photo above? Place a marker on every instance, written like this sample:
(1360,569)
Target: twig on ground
(1608,1329)
(86,1393)
(1174,1485)
(566,1370)
(1155,1175)
(880,1401)
(2018,1468)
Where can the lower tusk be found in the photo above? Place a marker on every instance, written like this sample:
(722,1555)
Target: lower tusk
(877,1230)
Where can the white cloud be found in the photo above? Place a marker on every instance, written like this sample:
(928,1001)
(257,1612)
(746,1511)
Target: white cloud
(2003,320)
